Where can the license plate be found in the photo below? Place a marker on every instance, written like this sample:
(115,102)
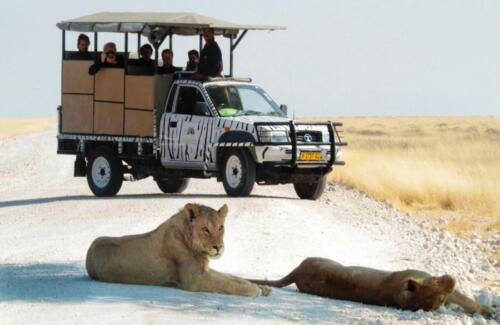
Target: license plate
(310,155)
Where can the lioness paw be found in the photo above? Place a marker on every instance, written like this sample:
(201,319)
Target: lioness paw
(265,290)
(487,312)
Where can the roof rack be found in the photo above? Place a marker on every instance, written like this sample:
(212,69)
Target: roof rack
(229,78)
(177,23)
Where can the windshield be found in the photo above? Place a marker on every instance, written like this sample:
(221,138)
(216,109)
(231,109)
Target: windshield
(237,100)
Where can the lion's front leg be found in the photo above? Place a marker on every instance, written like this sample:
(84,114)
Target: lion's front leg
(469,305)
(217,282)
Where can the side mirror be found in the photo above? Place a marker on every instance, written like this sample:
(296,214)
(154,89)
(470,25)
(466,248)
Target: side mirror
(284,109)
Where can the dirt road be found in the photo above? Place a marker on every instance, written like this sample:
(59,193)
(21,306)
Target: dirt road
(49,218)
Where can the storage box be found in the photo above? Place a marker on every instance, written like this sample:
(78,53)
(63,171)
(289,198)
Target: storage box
(138,123)
(77,113)
(108,118)
(76,78)
(140,92)
(109,84)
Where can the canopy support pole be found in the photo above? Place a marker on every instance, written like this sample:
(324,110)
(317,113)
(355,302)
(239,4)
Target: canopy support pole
(63,43)
(59,109)
(231,46)
(170,41)
(156,59)
(201,43)
(138,44)
(95,46)
(157,46)
(126,43)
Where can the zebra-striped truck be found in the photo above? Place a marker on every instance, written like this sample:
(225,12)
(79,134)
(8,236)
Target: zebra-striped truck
(131,121)
(227,128)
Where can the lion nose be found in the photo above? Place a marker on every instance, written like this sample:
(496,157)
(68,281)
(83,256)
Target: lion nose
(217,247)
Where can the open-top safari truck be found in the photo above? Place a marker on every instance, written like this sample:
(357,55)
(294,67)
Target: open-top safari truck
(132,123)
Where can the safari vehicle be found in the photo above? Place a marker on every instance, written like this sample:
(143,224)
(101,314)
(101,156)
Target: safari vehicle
(131,123)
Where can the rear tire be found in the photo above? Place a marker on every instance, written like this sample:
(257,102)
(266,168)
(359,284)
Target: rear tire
(310,191)
(104,172)
(173,185)
(238,172)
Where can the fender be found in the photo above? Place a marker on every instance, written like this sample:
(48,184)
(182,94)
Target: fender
(232,139)
(236,137)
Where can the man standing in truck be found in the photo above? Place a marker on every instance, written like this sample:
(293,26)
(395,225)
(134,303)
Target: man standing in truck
(210,64)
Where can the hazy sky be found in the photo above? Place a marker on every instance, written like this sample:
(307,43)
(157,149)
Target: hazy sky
(349,57)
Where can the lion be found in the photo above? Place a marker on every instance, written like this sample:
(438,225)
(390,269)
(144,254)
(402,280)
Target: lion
(408,289)
(176,254)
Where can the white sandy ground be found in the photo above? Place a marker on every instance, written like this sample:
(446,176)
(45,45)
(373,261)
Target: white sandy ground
(48,218)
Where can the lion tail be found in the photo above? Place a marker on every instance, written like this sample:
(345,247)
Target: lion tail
(287,280)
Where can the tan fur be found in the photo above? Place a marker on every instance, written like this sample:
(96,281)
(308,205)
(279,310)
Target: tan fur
(174,254)
(409,289)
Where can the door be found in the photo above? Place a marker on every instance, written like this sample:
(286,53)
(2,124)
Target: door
(187,129)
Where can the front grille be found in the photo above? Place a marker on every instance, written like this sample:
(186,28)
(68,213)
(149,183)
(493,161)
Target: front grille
(313,136)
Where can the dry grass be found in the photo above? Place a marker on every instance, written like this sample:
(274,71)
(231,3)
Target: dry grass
(10,127)
(434,165)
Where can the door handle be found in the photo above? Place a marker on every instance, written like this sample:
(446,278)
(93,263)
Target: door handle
(173,124)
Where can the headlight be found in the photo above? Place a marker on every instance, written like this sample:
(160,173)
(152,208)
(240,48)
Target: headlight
(325,135)
(278,133)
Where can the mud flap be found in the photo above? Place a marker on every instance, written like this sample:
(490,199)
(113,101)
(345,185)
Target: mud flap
(80,167)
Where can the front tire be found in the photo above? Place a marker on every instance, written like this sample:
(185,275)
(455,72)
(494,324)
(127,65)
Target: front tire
(176,185)
(310,191)
(238,172)
(104,172)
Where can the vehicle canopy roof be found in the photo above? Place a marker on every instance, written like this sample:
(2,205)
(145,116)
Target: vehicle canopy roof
(146,23)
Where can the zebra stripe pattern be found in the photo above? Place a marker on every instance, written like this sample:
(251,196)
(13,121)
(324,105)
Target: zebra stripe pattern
(232,144)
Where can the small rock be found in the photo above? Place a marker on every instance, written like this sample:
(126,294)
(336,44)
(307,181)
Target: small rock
(485,297)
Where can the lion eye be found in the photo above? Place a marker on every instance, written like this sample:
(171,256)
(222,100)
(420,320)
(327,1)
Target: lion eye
(221,228)
(205,229)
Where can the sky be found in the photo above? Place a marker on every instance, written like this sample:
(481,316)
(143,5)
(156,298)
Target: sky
(336,58)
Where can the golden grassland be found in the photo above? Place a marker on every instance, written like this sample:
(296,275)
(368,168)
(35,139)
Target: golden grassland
(10,127)
(431,165)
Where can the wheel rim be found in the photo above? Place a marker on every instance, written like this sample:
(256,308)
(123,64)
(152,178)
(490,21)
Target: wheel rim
(101,172)
(233,171)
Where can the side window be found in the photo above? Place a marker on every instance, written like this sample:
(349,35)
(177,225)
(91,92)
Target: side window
(190,101)
(171,99)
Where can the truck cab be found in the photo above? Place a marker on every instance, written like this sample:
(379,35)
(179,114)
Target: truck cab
(231,128)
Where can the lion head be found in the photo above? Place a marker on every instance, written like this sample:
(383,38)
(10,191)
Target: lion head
(419,290)
(205,232)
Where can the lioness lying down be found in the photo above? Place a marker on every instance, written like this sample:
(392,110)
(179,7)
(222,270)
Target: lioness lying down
(174,254)
(409,289)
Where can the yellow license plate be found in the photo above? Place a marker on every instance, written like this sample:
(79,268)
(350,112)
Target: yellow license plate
(310,155)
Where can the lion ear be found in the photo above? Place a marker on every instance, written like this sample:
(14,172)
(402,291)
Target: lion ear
(223,211)
(192,211)
(411,285)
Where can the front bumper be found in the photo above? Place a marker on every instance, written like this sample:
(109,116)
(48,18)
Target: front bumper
(289,153)
(282,155)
